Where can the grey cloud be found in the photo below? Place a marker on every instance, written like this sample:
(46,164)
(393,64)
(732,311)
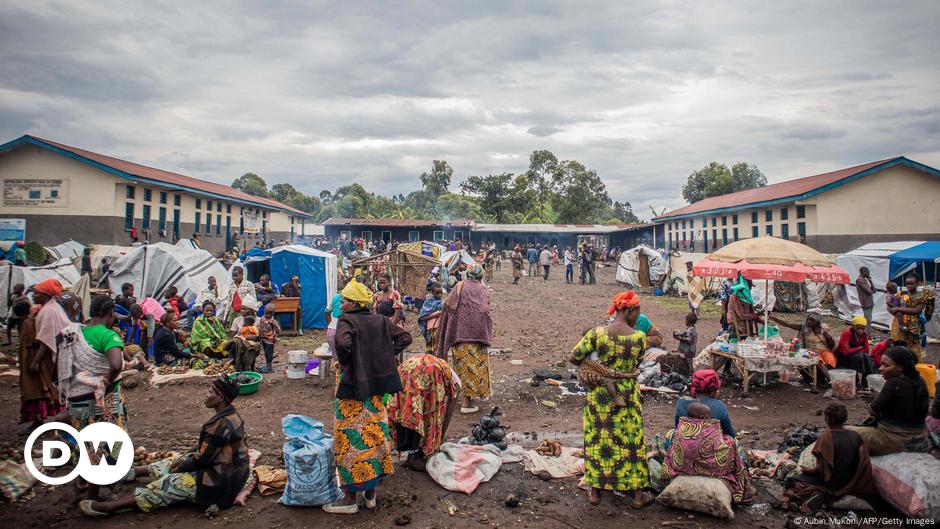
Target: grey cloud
(324,94)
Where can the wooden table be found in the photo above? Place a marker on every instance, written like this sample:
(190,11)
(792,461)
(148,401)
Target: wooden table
(289,306)
(741,363)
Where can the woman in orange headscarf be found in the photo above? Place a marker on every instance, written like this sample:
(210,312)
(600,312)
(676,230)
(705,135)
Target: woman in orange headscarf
(39,398)
(614,451)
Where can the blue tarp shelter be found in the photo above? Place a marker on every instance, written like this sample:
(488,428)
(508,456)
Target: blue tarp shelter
(316,270)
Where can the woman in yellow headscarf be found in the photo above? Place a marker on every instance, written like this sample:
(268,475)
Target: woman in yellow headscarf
(366,347)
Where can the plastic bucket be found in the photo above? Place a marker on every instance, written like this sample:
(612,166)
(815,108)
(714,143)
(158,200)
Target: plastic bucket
(296,371)
(843,383)
(875,382)
(296,357)
(929,374)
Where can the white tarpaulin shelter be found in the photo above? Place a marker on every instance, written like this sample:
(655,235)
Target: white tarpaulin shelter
(111,252)
(67,250)
(154,267)
(641,266)
(887,261)
(452,259)
(63,270)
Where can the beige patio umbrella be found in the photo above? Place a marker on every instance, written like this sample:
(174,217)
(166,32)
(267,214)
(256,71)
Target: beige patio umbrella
(774,259)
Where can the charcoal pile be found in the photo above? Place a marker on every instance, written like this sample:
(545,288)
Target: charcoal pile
(243,379)
(489,431)
(674,381)
(797,439)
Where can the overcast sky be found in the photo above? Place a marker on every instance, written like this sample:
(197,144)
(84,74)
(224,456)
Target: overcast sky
(324,95)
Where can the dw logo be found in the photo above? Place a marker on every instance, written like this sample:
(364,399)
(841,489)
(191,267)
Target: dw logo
(111,446)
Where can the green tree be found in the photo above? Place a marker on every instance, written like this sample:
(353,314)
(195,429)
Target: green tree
(306,203)
(252,184)
(350,207)
(282,192)
(543,165)
(494,194)
(581,195)
(438,180)
(623,212)
(452,207)
(326,196)
(716,179)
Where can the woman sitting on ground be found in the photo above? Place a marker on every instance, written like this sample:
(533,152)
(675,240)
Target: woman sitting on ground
(704,390)
(166,350)
(898,412)
(211,474)
(421,412)
(208,335)
(366,347)
(842,466)
(698,447)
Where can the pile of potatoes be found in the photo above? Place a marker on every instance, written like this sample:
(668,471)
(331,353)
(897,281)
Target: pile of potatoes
(143,457)
(167,370)
(11,452)
(219,368)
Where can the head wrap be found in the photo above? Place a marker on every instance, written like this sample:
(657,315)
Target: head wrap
(859,321)
(643,323)
(356,291)
(474,271)
(623,300)
(742,290)
(50,287)
(704,381)
(225,387)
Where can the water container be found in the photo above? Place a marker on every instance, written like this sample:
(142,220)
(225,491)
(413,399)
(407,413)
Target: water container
(929,373)
(875,382)
(296,357)
(843,383)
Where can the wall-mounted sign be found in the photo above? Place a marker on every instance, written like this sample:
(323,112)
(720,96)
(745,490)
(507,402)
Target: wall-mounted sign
(36,192)
(12,229)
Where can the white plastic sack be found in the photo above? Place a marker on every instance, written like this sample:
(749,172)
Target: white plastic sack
(461,468)
(909,481)
(308,459)
(699,494)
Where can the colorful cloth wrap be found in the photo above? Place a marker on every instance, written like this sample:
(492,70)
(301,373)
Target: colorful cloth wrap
(704,381)
(356,291)
(622,301)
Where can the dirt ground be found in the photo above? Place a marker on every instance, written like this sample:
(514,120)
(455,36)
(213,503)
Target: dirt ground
(536,324)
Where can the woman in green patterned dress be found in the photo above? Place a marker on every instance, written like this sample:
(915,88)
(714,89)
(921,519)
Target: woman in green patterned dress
(614,450)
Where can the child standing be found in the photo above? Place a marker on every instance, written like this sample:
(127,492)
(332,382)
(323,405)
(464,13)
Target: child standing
(688,339)
(18,305)
(430,316)
(268,330)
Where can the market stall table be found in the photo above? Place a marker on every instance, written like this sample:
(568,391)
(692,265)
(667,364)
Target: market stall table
(763,365)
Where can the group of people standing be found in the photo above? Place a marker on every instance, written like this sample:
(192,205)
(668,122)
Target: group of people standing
(540,260)
(383,401)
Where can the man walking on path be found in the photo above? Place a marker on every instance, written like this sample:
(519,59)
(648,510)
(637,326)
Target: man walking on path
(545,260)
(569,265)
(533,257)
(590,258)
(866,295)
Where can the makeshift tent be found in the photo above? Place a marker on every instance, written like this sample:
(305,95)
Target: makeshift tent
(450,260)
(154,267)
(409,271)
(186,243)
(641,266)
(10,275)
(316,270)
(888,261)
(67,250)
(431,249)
(112,253)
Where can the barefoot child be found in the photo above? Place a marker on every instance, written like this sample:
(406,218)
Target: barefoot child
(268,329)
(688,339)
